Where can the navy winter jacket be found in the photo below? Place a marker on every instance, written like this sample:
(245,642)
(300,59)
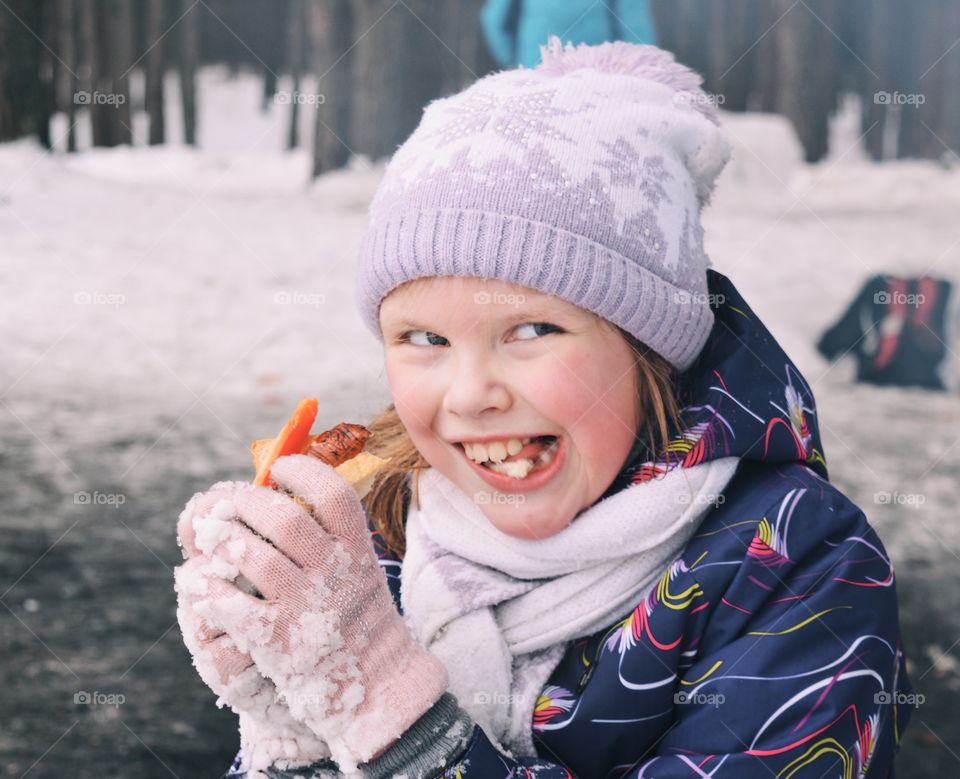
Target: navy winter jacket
(771,647)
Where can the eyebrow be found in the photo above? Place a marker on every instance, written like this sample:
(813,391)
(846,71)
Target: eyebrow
(513,319)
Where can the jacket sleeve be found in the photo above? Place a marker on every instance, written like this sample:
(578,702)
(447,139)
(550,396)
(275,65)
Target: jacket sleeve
(482,760)
(800,672)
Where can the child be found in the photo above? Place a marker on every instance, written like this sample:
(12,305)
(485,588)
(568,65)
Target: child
(606,517)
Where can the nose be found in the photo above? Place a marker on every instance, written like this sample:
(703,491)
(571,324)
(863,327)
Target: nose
(475,387)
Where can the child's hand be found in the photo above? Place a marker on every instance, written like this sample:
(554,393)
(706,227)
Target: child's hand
(269,734)
(206,511)
(327,633)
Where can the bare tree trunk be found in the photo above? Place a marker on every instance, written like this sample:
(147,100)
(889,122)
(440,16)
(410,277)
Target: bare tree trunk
(733,59)
(806,92)
(925,116)
(272,56)
(69,80)
(950,95)
(917,55)
(766,93)
(44,102)
(99,78)
(332,60)
(390,92)
(793,38)
(295,51)
(457,25)
(666,21)
(691,32)
(715,17)
(108,38)
(878,72)
(26,71)
(480,59)
(17,67)
(117,45)
(825,67)
(187,60)
(155,70)
(91,48)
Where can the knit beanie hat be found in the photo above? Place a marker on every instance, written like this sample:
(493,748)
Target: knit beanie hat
(583,177)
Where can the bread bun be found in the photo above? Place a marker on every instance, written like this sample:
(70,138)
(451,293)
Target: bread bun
(359,471)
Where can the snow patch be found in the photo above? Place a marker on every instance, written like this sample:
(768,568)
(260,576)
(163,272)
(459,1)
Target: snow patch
(214,528)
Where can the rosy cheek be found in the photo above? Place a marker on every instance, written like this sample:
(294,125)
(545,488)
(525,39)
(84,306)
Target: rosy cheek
(592,402)
(411,397)
(418,401)
(565,391)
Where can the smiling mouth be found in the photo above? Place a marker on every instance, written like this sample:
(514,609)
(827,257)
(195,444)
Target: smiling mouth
(533,457)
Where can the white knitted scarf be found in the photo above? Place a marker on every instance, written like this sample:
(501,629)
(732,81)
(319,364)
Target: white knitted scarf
(499,611)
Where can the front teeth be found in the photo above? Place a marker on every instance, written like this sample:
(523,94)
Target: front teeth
(520,469)
(517,469)
(496,451)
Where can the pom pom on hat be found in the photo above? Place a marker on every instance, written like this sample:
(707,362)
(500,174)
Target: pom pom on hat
(630,59)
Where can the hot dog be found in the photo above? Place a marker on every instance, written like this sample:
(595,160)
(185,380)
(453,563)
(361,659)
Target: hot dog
(341,447)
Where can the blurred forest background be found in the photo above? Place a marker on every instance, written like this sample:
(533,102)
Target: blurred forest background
(373,71)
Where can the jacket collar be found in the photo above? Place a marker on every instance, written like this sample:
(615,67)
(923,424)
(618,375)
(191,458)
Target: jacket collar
(742,397)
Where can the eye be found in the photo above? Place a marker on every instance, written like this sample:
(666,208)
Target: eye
(530,331)
(538,328)
(414,337)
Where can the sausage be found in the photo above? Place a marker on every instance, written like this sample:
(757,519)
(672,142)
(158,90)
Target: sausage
(339,444)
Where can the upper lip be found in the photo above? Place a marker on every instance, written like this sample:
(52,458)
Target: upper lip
(483,439)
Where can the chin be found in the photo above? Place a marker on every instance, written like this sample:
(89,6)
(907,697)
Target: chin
(529,516)
(530,527)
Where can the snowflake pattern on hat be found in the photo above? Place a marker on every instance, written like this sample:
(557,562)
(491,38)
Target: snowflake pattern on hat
(552,152)
(505,123)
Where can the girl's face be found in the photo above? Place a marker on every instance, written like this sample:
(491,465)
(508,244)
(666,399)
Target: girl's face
(472,359)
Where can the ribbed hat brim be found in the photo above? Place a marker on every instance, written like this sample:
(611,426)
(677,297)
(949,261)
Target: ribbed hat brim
(407,245)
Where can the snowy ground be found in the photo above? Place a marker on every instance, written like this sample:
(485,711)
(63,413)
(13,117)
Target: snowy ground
(164,307)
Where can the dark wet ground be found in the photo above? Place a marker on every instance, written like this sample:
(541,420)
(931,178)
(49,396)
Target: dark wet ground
(88,606)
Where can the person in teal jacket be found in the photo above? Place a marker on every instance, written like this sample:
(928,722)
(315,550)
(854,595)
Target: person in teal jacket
(515,29)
